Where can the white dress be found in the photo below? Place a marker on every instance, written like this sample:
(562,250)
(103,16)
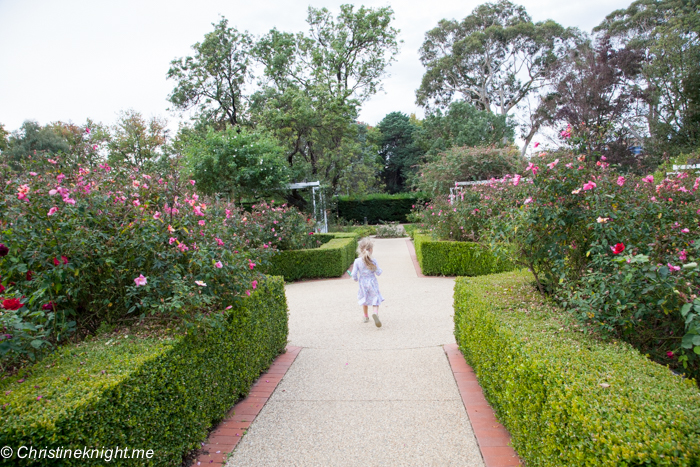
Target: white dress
(369,287)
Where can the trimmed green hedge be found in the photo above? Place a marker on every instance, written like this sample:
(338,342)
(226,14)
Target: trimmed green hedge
(441,258)
(567,398)
(162,394)
(378,208)
(331,259)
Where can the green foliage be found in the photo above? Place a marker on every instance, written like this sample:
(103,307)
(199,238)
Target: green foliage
(32,138)
(160,393)
(463,124)
(4,134)
(620,252)
(236,163)
(377,208)
(332,259)
(480,57)
(667,34)
(213,80)
(314,85)
(137,142)
(77,240)
(398,150)
(566,398)
(461,164)
(441,258)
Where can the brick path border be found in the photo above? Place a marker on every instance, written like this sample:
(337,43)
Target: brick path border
(224,438)
(493,438)
(414,258)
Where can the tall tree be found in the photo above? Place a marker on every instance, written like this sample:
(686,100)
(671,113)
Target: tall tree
(213,80)
(596,95)
(398,150)
(667,34)
(493,59)
(315,83)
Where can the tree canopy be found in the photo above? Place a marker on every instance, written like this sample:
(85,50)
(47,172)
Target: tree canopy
(213,80)
(493,58)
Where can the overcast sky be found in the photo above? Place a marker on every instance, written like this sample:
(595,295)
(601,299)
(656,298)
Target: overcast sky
(69,60)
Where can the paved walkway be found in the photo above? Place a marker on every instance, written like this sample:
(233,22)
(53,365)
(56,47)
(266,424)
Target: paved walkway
(358,395)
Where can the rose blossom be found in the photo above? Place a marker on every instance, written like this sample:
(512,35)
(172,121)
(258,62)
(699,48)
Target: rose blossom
(141,280)
(618,248)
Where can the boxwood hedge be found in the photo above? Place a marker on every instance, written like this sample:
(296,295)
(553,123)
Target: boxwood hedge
(145,393)
(443,258)
(331,259)
(567,398)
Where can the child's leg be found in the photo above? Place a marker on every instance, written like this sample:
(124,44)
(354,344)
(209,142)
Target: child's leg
(375,316)
(364,308)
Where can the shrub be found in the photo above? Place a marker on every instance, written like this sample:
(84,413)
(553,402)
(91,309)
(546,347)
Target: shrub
(619,251)
(567,398)
(378,208)
(85,246)
(331,259)
(161,393)
(236,162)
(442,258)
(461,164)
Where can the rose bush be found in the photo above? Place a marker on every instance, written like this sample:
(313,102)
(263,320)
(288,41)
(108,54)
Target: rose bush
(86,246)
(619,251)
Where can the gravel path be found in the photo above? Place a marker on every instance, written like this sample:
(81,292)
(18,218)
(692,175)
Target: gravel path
(358,395)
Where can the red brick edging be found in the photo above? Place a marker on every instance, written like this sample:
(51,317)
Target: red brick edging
(414,258)
(224,438)
(493,438)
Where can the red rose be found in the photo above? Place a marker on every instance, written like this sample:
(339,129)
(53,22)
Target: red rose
(2,288)
(29,276)
(11,304)
(618,248)
(48,306)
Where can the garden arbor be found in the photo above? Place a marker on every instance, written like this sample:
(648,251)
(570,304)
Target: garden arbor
(320,215)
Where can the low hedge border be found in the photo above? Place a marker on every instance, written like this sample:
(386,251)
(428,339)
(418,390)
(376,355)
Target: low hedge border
(331,259)
(442,258)
(162,394)
(567,398)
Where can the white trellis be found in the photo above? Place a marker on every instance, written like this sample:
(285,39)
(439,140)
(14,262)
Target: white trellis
(676,168)
(321,221)
(457,190)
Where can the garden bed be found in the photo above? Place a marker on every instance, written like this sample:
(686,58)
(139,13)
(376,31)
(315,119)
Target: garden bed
(157,393)
(447,258)
(566,397)
(331,259)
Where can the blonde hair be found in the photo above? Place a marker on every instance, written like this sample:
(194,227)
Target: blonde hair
(364,251)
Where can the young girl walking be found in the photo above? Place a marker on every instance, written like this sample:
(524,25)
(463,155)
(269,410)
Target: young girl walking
(364,271)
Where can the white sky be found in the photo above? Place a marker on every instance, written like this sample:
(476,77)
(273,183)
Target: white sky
(69,60)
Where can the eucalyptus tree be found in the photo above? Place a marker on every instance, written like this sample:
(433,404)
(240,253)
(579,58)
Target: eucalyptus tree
(494,58)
